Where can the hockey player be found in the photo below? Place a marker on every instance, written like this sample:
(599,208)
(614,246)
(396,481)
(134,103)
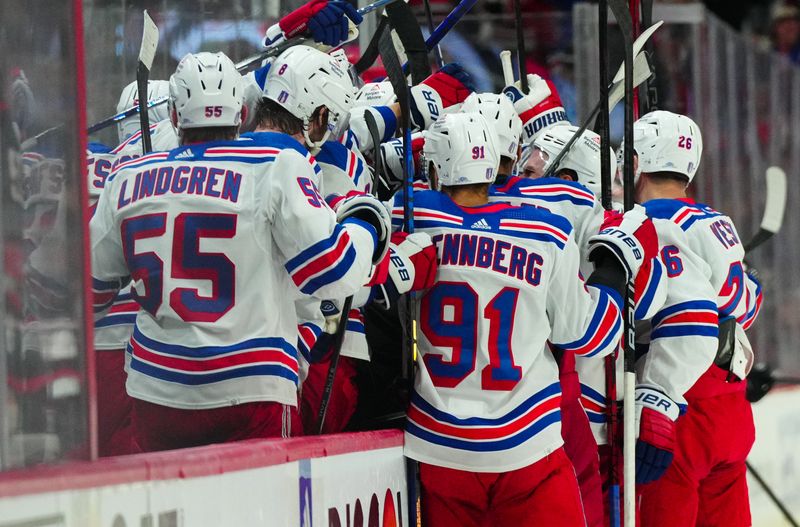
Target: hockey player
(706,483)
(212,357)
(484,420)
(581,164)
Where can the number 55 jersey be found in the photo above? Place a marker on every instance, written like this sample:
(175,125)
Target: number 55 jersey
(219,239)
(486,396)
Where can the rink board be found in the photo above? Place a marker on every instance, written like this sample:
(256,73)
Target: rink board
(343,480)
(776,456)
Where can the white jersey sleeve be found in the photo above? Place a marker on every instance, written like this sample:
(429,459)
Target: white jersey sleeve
(324,259)
(683,336)
(585,319)
(385,120)
(343,170)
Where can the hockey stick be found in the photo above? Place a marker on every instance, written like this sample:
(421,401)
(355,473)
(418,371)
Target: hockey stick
(774,208)
(338,339)
(241,66)
(774,497)
(147,53)
(649,102)
(621,13)
(640,73)
(397,78)
(508,69)
(437,51)
(446,25)
(610,362)
(522,58)
(406,27)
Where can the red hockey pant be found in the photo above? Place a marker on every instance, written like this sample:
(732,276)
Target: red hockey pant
(343,400)
(544,493)
(114,405)
(159,427)
(579,443)
(706,484)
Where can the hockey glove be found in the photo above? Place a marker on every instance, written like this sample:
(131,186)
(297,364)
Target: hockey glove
(631,238)
(392,152)
(655,439)
(539,109)
(412,266)
(326,21)
(365,208)
(442,92)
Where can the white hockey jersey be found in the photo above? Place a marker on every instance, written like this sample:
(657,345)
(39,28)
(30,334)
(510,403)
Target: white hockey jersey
(487,396)
(113,331)
(714,238)
(219,240)
(571,200)
(678,343)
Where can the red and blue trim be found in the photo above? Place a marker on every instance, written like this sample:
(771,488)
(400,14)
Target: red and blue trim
(103,293)
(477,434)
(594,404)
(122,313)
(605,328)
(697,318)
(271,356)
(307,335)
(324,262)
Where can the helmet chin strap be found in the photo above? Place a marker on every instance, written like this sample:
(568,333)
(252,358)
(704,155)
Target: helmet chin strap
(314,147)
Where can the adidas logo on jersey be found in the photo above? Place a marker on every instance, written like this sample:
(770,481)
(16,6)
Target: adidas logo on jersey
(481,224)
(186,153)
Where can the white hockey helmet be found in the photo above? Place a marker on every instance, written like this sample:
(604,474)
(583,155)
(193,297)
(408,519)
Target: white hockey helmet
(583,157)
(206,91)
(666,142)
(500,112)
(463,148)
(130,97)
(303,78)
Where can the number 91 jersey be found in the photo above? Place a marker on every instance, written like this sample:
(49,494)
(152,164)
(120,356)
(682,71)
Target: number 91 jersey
(219,239)
(487,397)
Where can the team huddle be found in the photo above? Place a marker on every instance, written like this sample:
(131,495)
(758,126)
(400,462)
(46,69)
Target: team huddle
(274,212)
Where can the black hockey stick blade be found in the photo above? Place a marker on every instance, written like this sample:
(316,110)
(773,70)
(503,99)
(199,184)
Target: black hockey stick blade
(522,57)
(774,208)
(437,50)
(406,26)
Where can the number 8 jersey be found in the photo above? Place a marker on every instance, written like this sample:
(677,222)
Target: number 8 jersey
(487,396)
(219,239)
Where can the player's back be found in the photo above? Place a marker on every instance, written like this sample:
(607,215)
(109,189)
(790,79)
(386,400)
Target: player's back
(198,227)
(713,236)
(571,200)
(487,394)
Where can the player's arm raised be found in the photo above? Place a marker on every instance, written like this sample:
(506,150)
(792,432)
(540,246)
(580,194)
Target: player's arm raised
(324,258)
